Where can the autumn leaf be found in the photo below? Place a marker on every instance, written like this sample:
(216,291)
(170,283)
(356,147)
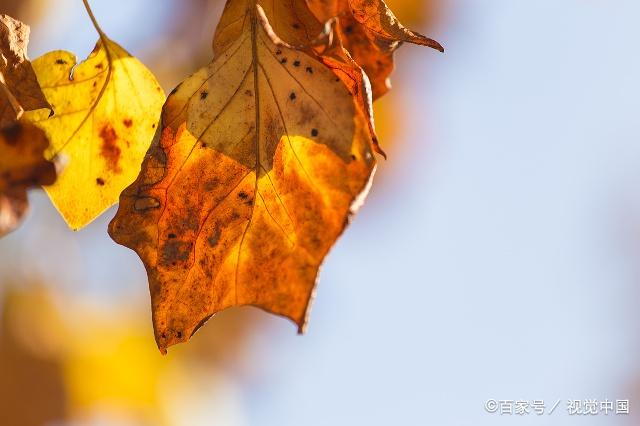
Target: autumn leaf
(19,89)
(263,157)
(106,110)
(22,166)
(307,31)
(371,33)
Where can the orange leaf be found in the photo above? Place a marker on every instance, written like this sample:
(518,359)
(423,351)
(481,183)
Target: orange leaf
(371,33)
(263,156)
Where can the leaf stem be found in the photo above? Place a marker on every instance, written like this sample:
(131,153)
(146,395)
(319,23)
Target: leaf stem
(94,21)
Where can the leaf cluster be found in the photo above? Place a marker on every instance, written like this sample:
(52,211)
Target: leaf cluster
(232,189)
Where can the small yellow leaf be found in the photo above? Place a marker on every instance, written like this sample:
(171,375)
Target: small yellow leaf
(106,110)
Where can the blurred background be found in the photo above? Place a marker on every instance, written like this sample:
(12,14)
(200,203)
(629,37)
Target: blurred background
(497,257)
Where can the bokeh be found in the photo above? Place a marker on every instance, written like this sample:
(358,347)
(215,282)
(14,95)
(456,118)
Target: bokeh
(497,256)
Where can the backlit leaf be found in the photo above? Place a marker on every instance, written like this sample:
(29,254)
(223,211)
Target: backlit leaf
(106,110)
(264,155)
(370,32)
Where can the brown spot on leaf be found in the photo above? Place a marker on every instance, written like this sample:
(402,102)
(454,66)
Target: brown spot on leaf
(109,148)
(175,251)
(60,61)
(214,238)
(127,122)
(12,133)
(100,181)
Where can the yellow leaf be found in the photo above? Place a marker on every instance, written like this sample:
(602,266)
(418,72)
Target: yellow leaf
(106,110)
(263,158)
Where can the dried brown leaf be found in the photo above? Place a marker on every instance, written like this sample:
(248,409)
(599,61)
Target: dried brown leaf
(19,88)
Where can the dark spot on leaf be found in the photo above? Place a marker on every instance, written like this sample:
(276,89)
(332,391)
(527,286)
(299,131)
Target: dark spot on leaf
(100,181)
(203,95)
(60,61)
(12,133)
(248,92)
(243,195)
(211,184)
(292,96)
(172,235)
(95,83)
(127,122)
(153,126)
(348,29)
(353,157)
(175,251)
(213,239)
(179,334)
(99,66)
(109,149)
(309,70)
(296,63)
(278,51)
(296,26)
(314,132)
(283,60)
